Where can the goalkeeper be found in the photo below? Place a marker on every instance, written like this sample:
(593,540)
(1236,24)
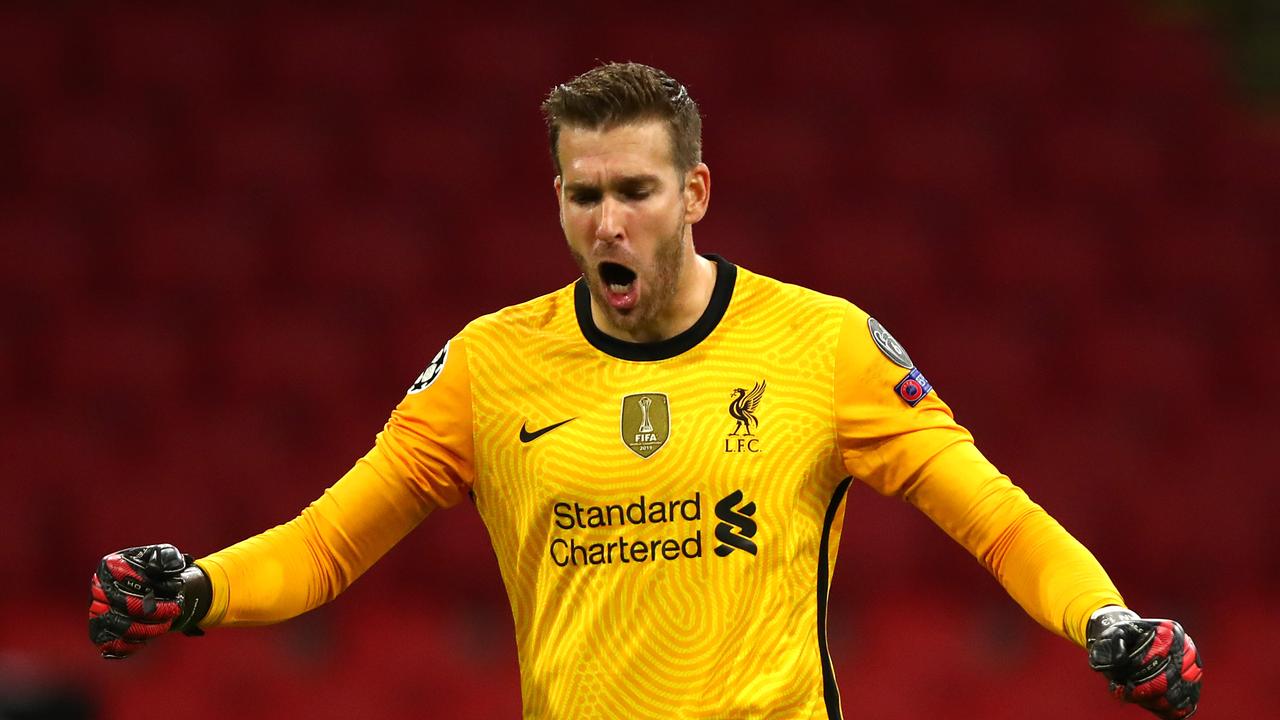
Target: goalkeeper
(669,430)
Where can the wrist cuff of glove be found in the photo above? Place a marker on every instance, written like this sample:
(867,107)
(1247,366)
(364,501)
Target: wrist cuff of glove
(196,596)
(1105,617)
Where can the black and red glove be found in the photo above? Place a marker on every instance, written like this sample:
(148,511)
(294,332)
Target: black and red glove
(1153,663)
(142,592)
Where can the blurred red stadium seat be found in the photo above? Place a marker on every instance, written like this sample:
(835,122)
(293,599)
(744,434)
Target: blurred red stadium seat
(1158,65)
(267,149)
(181,52)
(210,247)
(509,56)
(1112,157)
(1147,359)
(870,253)
(510,259)
(295,349)
(1047,251)
(11,371)
(1234,627)
(839,66)
(432,154)
(684,50)
(215,444)
(1200,251)
(26,521)
(349,54)
(1081,452)
(386,251)
(907,630)
(100,148)
(470,686)
(793,156)
(142,354)
(991,367)
(45,252)
(888,540)
(1242,164)
(67,468)
(741,237)
(33,55)
(997,62)
(1251,354)
(929,151)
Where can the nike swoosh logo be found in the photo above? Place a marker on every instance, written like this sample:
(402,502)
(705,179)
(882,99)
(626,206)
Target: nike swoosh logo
(527,437)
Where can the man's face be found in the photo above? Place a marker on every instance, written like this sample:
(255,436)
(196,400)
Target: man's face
(625,208)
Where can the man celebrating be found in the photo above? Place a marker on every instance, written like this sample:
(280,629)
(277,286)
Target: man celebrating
(670,432)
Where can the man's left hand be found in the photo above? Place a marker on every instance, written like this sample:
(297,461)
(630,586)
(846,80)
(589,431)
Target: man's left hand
(1152,663)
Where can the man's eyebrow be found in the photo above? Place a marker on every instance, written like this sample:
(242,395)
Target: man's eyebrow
(580,186)
(635,181)
(624,182)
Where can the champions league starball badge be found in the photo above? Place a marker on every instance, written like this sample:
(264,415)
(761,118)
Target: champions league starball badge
(428,376)
(891,348)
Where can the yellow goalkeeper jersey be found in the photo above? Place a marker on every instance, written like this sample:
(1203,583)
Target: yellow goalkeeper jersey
(666,516)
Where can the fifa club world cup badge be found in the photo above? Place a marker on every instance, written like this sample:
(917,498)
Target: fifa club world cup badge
(646,422)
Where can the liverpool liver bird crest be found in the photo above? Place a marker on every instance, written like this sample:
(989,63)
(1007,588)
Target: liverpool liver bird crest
(743,407)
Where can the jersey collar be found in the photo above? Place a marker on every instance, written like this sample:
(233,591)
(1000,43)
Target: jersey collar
(726,277)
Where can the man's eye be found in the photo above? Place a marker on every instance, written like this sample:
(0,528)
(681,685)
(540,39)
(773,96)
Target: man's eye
(585,199)
(638,195)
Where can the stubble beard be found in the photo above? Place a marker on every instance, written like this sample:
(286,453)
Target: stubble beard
(660,288)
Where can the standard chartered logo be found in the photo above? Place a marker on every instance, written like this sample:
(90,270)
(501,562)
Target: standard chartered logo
(648,530)
(732,519)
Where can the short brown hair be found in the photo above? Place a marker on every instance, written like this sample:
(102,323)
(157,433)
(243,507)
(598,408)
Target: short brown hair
(619,93)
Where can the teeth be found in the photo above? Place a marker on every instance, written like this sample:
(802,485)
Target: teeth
(615,287)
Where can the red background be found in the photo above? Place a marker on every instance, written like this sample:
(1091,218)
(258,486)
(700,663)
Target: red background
(231,237)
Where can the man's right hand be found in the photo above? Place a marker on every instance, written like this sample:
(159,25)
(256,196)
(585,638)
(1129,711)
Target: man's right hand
(142,592)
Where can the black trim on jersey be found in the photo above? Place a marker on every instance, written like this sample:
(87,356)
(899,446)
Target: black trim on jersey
(726,277)
(830,691)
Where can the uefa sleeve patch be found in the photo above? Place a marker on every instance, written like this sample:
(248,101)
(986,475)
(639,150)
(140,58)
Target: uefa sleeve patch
(913,387)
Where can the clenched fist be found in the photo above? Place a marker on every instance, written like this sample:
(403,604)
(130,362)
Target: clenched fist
(143,592)
(1152,663)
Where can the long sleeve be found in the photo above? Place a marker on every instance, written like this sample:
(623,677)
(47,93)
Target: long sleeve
(422,460)
(902,440)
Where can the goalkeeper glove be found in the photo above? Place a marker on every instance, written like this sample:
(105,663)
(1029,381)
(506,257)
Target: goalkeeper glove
(1152,663)
(143,592)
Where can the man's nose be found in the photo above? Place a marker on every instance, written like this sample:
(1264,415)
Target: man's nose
(611,221)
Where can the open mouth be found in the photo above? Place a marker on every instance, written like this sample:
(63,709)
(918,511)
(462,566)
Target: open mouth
(619,284)
(617,277)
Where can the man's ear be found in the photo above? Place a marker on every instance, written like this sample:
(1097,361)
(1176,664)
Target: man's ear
(697,193)
(559,198)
